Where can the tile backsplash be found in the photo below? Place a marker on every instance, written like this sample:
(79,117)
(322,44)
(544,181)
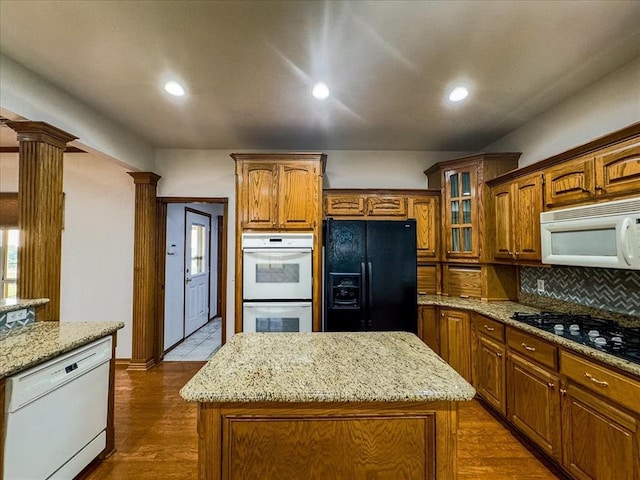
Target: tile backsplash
(608,289)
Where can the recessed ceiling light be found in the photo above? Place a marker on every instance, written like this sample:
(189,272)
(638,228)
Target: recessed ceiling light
(458,93)
(320,91)
(174,88)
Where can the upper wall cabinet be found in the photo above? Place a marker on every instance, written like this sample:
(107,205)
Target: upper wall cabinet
(515,228)
(372,204)
(426,211)
(464,197)
(279,191)
(607,173)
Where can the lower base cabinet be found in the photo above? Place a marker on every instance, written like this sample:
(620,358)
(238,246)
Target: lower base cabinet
(600,440)
(455,341)
(490,373)
(533,403)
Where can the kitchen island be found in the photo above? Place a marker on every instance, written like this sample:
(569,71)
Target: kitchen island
(375,405)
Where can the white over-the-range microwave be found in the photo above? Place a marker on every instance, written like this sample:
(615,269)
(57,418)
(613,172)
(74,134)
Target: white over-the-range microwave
(603,235)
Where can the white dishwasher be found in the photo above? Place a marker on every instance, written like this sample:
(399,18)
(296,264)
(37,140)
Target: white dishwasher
(56,415)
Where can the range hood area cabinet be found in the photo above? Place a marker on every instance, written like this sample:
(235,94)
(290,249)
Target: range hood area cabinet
(280,192)
(465,203)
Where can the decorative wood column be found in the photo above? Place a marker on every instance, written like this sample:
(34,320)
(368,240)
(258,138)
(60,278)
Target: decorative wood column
(144,271)
(40,212)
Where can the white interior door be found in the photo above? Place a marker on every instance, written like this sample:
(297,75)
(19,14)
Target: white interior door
(196,276)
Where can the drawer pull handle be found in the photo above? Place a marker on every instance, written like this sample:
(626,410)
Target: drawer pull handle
(595,380)
(488,328)
(527,347)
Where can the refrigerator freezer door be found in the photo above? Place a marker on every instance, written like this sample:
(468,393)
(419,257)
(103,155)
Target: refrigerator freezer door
(391,258)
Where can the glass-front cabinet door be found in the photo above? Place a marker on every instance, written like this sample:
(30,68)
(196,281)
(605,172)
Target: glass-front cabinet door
(461,212)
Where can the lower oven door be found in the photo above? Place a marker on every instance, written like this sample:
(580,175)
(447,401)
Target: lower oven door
(277,317)
(276,274)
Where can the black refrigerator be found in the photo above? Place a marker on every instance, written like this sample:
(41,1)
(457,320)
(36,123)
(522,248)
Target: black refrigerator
(370,276)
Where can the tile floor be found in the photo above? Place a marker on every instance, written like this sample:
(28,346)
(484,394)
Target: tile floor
(198,346)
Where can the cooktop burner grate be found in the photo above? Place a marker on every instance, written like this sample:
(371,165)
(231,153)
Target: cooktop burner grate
(599,333)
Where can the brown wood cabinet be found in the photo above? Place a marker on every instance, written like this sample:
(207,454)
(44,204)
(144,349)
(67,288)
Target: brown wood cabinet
(360,204)
(426,211)
(533,403)
(489,282)
(278,195)
(429,327)
(515,225)
(279,192)
(464,195)
(490,362)
(455,341)
(607,173)
(601,430)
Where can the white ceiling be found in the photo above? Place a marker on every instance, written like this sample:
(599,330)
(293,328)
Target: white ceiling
(248,66)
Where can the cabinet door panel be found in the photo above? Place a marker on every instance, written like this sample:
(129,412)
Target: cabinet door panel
(260,195)
(427,277)
(618,171)
(490,369)
(384,206)
(503,232)
(297,204)
(461,213)
(344,205)
(571,182)
(533,403)
(527,208)
(600,441)
(455,341)
(426,210)
(429,329)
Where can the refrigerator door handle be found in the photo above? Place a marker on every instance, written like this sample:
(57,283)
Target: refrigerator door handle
(370,291)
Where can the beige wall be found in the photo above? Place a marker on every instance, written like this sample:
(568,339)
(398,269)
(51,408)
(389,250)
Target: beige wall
(97,240)
(606,106)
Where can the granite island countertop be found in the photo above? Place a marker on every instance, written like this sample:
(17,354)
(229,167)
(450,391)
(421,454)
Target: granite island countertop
(504,310)
(326,367)
(27,346)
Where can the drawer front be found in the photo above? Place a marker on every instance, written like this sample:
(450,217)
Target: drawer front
(390,205)
(617,387)
(533,348)
(490,328)
(344,205)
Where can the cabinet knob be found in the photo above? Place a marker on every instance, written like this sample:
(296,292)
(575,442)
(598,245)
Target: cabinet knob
(448,252)
(585,190)
(598,187)
(499,355)
(563,391)
(551,385)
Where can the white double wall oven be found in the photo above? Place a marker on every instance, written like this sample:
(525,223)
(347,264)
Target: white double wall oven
(277,285)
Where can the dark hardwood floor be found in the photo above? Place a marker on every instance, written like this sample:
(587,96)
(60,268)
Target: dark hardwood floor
(156,434)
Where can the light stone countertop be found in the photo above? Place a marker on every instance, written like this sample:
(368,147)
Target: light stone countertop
(11,304)
(503,311)
(27,346)
(326,367)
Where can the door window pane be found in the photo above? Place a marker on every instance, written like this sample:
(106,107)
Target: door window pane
(466,184)
(466,239)
(455,213)
(197,249)
(466,211)
(453,180)
(455,240)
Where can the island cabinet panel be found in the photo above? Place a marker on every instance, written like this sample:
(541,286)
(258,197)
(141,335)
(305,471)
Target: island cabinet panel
(533,403)
(600,440)
(338,441)
(455,341)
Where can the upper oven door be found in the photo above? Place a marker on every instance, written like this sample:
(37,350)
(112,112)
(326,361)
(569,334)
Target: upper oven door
(277,274)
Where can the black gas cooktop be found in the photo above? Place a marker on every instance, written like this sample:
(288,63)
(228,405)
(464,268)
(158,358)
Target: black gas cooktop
(598,333)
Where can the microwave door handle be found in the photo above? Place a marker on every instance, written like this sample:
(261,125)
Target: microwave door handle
(624,240)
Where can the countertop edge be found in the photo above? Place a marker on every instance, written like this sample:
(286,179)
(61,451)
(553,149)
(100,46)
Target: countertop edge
(20,303)
(479,306)
(104,329)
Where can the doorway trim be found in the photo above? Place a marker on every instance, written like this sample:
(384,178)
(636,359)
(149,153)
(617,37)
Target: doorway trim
(161,252)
